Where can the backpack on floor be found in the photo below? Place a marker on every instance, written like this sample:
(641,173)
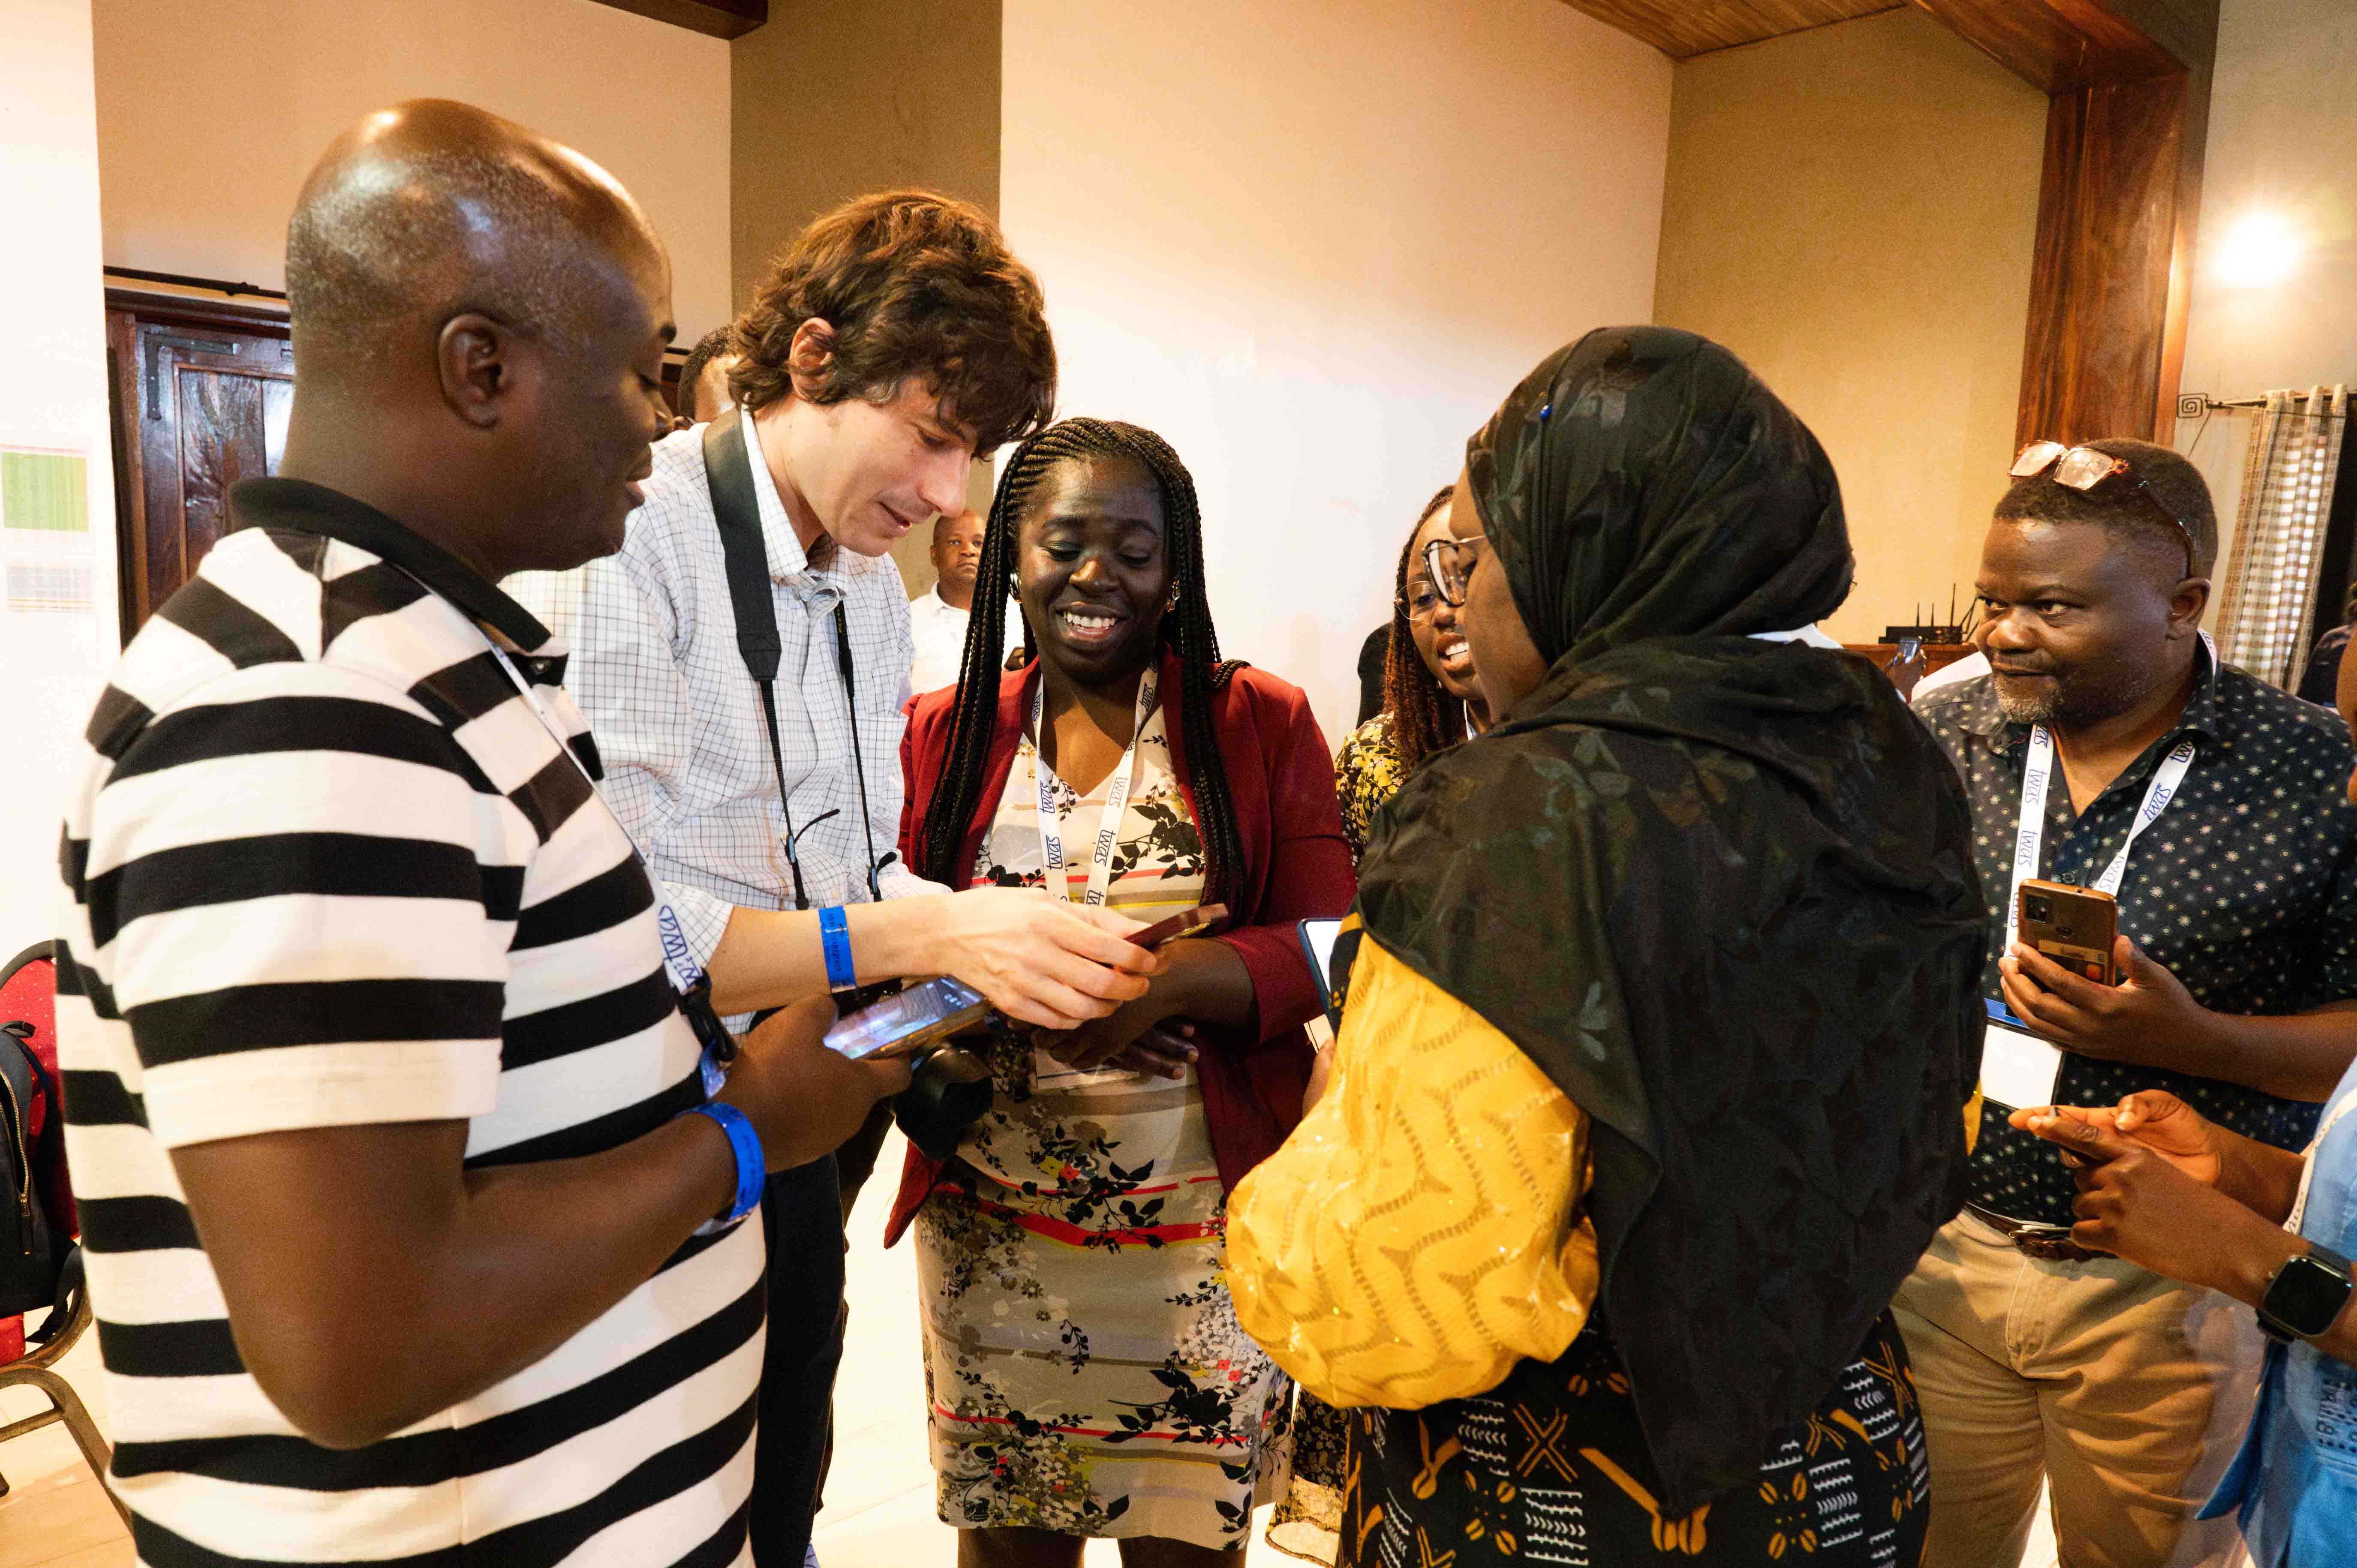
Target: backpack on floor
(36,1212)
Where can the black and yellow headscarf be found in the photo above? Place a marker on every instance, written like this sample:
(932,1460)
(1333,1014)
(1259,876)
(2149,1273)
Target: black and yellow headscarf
(1719,889)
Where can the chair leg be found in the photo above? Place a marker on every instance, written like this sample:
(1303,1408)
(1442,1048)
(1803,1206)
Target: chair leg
(86,1434)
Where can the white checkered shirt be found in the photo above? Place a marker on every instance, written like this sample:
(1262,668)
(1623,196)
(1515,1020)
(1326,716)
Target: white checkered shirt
(677,717)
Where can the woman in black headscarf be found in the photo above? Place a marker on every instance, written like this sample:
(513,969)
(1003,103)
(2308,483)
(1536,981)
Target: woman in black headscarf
(1655,1074)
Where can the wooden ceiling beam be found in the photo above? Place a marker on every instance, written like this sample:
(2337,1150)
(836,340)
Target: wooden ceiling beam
(2127,85)
(1683,28)
(712,19)
(2059,45)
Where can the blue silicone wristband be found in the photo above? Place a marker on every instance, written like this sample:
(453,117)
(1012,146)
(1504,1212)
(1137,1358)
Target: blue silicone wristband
(835,936)
(752,1169)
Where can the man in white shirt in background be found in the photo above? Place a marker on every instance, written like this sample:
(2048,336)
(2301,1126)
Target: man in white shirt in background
(938,618)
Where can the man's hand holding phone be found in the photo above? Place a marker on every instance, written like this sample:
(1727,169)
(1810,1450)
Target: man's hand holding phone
(2150,1018)
(801,1098)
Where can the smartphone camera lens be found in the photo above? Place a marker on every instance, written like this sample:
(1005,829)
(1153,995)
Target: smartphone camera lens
(2037,906)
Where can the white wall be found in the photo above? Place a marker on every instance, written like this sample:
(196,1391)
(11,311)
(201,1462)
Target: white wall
(1314,244)
(211,112)
(2283,118)
(54,397)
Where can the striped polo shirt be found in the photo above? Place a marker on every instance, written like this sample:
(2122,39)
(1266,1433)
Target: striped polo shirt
(326,866)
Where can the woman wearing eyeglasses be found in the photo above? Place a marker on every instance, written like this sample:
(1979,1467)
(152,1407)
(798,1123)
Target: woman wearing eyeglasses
(1661,1029)
(1431,699)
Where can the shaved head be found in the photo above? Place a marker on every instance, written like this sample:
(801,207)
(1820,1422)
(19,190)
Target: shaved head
(479,319)
(431,209)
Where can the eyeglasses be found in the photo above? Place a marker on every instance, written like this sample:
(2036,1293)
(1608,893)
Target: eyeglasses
(1449,562)
(2082,469)
(1420,602)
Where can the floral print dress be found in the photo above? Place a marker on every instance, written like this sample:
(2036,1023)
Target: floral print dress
(1084,1371)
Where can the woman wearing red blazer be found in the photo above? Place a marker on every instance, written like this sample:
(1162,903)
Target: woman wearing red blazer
(1087,1375)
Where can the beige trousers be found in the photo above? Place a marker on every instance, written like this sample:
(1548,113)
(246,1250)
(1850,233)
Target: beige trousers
(2125,1393)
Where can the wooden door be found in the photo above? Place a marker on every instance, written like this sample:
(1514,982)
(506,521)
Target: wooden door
(202,395)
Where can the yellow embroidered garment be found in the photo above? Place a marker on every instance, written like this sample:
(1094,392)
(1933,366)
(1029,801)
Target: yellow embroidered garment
(1424,1228)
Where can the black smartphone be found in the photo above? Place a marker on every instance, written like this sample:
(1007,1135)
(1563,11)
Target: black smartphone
(908,1022)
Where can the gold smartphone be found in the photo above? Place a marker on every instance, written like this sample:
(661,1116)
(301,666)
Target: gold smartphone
(2075,927)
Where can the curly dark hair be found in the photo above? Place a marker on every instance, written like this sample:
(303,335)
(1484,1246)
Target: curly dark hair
(914,284)
(709,347)
(1186,629)
(1425,717)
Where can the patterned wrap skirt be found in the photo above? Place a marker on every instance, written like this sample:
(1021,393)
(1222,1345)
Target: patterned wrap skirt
(1550,1467)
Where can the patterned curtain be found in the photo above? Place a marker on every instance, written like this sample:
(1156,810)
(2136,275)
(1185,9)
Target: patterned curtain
(2271,572)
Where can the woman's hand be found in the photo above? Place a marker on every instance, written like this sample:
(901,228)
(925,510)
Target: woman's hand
(1166,1050)
(1040,960)
(1202,980)
(1137,1034)
(2153,1117)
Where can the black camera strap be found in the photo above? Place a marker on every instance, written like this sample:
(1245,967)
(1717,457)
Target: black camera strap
(729,474)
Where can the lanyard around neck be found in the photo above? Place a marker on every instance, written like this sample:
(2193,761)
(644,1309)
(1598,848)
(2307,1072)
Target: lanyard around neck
(2030,839)
(1051,837)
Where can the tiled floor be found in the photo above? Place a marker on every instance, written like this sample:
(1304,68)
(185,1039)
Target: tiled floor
(880,1510)
(879,1496)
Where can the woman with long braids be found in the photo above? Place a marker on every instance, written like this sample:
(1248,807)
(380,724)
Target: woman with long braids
(1431,702)
(1087,1376)
(1431,697)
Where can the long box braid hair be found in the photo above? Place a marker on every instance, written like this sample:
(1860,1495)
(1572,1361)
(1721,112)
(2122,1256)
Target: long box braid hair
(1425,717)
(1186,629)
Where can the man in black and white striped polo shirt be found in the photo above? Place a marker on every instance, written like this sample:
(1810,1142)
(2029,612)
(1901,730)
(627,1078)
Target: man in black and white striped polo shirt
(398,1171)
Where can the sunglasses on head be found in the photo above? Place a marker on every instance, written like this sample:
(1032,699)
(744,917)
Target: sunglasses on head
(2082,469)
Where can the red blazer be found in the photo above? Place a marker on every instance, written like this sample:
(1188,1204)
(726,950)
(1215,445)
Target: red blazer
(1296,868)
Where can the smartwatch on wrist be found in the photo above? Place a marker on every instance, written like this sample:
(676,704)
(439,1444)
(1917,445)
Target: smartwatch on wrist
(2306,1294)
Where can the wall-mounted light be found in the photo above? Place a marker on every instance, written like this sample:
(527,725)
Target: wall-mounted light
(2259,248)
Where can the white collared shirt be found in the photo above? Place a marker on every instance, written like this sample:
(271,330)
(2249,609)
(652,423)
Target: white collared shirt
(678,719)
(939,630)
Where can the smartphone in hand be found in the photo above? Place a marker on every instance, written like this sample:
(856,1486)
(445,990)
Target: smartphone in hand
(2075,927)
(1185,923)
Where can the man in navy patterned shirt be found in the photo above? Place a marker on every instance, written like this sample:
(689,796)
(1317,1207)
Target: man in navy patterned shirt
(2122,1391)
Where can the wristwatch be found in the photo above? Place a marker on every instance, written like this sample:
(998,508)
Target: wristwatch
(2306,1294)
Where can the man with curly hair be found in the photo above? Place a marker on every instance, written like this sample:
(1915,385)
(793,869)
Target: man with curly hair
(893,342)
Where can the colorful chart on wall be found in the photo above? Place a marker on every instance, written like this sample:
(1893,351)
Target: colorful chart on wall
(45,529)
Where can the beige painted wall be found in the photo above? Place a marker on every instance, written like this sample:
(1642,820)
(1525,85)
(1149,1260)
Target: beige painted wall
(1313,243)
(908,95)
(2282,115)
(54,399)
(211,112)
(1853,210)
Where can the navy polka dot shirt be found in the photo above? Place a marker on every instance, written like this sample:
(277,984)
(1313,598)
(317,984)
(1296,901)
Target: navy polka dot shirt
(2246,889)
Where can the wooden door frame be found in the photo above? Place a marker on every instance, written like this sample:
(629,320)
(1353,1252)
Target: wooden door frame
(2127,89)
(127,310)
(2127,119)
